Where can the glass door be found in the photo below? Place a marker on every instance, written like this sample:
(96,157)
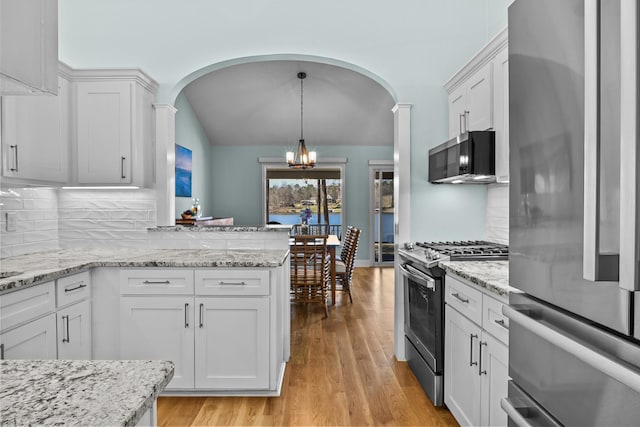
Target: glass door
(382,215)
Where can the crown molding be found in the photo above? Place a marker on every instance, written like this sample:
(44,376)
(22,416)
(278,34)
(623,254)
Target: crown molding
(99,74)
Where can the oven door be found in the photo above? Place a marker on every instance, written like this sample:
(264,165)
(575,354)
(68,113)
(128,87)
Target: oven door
(423,323)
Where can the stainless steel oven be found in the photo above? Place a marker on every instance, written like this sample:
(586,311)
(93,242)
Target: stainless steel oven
(423,325)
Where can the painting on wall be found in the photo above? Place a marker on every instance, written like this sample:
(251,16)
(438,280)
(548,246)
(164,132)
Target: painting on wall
(183,171)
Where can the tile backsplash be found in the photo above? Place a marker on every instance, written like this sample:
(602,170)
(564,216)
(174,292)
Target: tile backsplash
(36,213)
(63,219)
(497,213)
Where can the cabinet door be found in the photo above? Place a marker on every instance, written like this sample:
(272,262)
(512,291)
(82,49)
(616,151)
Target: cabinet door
(35,138)
(34,340)
(461,374)
(479,99)
(457,111)
(501,113)
(232,343)
(159,328)
(495,369)
(28,47)
(74,331)
(104,132)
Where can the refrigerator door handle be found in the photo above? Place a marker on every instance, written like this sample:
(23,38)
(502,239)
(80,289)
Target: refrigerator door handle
(629,152)
(598,359)
(596,266)
(514,414)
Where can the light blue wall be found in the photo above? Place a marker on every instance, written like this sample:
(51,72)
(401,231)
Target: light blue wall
(414,46)
(237,183)
(190,134)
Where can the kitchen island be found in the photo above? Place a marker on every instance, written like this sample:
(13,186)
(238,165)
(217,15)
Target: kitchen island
(221,315)
(83,392)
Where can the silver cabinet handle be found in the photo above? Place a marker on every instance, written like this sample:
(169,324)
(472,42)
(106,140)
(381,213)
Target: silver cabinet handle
(122,175)
(599,360)
(232,283)
(514,414)
(201,316)
(1,351)
(471,337)
(480,370)
(67,339)
(460,124)
(156,282)
(466,121)
(459,298)
(80,286)
(15,150)
(186,315)
(502,323)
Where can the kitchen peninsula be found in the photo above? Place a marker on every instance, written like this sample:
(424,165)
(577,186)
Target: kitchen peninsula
(221,315)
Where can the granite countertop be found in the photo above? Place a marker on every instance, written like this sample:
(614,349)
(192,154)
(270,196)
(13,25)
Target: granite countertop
(224,228)
(49,265)
(491,275)
(80,392)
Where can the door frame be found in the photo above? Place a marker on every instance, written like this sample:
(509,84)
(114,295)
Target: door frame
(375,166)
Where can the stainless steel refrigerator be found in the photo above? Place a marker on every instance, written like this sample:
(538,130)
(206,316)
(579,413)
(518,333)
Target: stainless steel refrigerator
(574,349)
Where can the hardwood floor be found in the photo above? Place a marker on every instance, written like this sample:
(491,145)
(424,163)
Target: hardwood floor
(342,371)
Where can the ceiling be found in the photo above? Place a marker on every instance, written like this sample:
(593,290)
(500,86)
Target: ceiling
(258,103)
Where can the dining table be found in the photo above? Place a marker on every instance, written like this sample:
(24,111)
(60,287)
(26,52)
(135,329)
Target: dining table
(332,243)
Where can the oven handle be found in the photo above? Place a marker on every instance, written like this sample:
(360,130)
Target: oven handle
(418,276)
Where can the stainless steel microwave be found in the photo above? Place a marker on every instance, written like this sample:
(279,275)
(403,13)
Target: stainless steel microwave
(470,158)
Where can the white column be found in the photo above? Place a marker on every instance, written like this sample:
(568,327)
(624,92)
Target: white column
(402,210)
(165,134)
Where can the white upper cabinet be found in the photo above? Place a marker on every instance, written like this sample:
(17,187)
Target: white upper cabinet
(35,136)
(501,113)
(113,127)
(28,47)
(479,98)
(470,103)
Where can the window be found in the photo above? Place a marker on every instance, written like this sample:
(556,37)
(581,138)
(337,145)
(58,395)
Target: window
(313,196)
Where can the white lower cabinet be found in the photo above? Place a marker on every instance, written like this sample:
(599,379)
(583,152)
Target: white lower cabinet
(160,327)
(218,332)
(34,340)
(232,343)
(462,382)
(476,362)
(74,331)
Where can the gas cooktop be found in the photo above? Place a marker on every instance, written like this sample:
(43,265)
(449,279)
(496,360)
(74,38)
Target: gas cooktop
(466,250)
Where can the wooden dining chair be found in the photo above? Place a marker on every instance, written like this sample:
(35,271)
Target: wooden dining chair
(344,266)
(310,270)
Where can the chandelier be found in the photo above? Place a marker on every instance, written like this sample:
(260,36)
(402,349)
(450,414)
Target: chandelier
(302,158)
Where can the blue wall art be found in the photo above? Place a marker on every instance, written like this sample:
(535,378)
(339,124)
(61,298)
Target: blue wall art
(183,171)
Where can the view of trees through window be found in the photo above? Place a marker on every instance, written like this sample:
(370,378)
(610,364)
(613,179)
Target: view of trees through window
(291,199)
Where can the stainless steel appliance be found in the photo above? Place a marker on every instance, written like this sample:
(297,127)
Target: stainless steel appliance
(574,354)
(424,304)
(468,158)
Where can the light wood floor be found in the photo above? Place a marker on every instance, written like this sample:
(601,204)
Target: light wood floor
(342,371)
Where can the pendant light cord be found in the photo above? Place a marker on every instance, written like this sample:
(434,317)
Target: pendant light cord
(301,106)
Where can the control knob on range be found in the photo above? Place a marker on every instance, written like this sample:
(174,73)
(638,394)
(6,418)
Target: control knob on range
(431,254)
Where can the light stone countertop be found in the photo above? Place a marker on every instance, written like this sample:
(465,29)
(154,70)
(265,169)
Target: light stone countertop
(491,275)
(80,392)
(43,266)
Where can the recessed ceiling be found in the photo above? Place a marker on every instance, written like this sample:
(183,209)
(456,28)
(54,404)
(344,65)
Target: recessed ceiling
(258,103)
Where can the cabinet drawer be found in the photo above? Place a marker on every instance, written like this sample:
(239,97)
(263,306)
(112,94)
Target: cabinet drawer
(465,299)
(232,282)
(156,281)
(72,288)
(26,304)
(493,321)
